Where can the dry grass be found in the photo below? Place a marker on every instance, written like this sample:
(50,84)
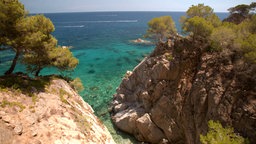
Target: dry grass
(12,104)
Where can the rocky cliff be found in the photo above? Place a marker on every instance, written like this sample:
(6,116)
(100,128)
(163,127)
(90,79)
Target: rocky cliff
(46,111)
(172,94)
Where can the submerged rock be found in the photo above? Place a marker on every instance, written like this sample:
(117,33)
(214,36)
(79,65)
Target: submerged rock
(91,71)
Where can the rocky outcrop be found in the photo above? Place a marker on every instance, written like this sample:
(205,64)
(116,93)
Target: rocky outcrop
(56,115)
(172,94)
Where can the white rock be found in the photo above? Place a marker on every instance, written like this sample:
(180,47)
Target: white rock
(18,129)
(6,118)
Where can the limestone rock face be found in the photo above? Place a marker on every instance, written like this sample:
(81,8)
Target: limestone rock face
(172,94)
(148,129)
(56,115)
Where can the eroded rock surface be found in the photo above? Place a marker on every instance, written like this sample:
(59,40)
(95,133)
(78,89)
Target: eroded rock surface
(57,115)
(172,94)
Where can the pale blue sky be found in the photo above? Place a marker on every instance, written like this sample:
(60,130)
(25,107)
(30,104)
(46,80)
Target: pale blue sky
(51,6)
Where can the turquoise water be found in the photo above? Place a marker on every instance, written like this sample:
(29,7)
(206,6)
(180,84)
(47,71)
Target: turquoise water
(100,41)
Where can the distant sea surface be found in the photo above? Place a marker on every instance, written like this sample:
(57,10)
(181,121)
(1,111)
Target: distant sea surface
(100,41)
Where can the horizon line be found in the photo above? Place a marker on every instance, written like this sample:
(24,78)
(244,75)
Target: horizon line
(107,11)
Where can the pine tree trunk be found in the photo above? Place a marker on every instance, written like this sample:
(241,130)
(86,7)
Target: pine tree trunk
(14,62)
(37,72)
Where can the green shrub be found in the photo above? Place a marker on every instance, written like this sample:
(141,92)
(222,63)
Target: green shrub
(219,135)
(77,84)
(169,57)
(62,93)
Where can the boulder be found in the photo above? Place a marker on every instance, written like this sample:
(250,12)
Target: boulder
(126,120)
(149,131)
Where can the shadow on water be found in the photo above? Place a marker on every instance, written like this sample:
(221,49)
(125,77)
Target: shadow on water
(96,59)
(92,71)
(118,64)
(114,50)
(127,60)
(80,55)
(132,53)
(138,60)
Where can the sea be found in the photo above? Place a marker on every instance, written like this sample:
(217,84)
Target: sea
(102,43)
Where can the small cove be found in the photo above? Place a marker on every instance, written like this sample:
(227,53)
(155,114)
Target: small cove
(100,41)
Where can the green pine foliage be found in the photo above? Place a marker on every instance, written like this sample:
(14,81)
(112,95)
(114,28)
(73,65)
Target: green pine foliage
(236,33)
(199,27)
(63,59)
(219,135)
(30,37)
(202,11)
(42,50)
(199,21)
(241,12)
(199,10)
(222,37)
(11,12)
(248,46)
(161,28)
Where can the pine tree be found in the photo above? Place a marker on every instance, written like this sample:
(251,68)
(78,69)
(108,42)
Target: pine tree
(161,28)
(30,37)
(41,47)
(11,12)
(199,21)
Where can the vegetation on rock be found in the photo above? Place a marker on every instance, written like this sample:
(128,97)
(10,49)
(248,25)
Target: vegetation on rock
(77,84)
(207,74)
(219,135)
(205,27)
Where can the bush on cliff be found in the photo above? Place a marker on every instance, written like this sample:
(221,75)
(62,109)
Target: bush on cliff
(77,84)
(219,135)
(239,36)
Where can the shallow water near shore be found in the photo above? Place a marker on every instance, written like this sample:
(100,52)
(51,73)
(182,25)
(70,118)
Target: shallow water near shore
(101,42)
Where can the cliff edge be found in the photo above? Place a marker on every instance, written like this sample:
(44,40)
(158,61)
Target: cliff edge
(46,111)
(172,94)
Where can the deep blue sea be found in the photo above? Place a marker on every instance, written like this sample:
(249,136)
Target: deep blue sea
(100,41)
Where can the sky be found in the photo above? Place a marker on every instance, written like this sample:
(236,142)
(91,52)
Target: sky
(53,6)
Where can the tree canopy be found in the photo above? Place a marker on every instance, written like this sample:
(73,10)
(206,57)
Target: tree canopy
(222,37)
(30,37)
(241,12)
(161,28)
(11,12)
(237,32)
(199,21)
(199,27)
(199,10)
